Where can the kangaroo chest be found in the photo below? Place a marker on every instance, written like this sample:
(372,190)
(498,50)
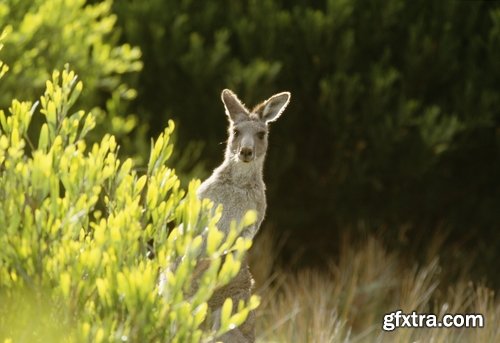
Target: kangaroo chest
(235,203)
(240,201)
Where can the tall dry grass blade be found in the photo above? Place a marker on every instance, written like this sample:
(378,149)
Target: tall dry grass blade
(347,302)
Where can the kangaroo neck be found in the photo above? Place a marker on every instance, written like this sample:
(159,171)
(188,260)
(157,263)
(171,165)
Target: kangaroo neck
(243,174)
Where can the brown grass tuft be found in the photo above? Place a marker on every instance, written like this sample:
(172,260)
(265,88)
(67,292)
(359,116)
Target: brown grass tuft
(347,302)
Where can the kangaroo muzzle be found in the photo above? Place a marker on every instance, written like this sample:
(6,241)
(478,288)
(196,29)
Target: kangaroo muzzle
(246,154)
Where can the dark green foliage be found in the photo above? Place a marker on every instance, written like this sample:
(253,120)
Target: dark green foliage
(394,115)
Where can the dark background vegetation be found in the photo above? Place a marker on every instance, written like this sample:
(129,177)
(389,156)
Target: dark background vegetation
(393,126)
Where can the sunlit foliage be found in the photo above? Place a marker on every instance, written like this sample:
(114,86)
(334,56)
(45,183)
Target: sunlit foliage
(85,237)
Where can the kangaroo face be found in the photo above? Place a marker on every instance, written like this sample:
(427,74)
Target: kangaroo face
(248,140)
(248,129)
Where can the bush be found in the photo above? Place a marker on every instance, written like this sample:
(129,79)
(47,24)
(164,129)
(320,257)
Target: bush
(84,236)
(46,34)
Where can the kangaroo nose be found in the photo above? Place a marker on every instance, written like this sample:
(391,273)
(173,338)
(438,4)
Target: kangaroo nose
(246,154)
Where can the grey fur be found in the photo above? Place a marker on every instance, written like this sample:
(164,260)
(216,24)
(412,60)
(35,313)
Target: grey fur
(238,185)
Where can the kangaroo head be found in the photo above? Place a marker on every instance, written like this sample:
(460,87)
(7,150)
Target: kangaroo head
(248,129)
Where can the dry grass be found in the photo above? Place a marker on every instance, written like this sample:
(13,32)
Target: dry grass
(347,302)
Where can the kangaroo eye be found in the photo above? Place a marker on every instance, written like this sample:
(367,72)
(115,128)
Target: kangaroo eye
(236,132)
(261,134)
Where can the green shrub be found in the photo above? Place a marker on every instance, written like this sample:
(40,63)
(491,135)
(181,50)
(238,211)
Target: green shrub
(84,236)
(46,34)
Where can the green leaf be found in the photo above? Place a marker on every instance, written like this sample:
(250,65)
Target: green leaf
(214,238)
(200,313)
(249,218)
(43,140)
(225,314)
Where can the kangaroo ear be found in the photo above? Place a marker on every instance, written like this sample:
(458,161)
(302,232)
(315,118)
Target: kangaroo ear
(274,106)
(235,109)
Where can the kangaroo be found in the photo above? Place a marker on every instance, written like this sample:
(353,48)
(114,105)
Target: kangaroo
(238,185)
